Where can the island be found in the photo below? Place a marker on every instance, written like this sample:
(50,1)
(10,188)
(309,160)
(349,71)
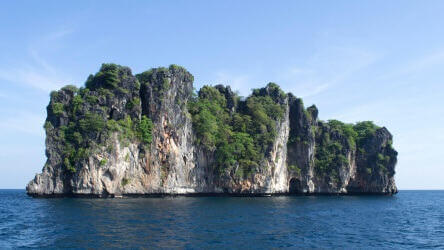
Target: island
(152,134)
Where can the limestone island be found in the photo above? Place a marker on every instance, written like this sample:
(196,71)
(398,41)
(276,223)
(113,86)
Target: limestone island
(151,134)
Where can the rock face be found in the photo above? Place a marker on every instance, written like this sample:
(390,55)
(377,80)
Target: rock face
(134,135)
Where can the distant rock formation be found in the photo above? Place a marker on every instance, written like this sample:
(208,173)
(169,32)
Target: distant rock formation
(149,134)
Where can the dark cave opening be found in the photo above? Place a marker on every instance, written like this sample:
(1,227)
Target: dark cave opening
(295,186)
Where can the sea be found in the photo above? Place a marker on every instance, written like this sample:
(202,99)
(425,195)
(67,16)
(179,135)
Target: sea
(407,220)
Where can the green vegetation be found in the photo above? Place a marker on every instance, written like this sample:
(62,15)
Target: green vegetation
(57,108)
(107,77)
(89,115)
(294,168)
(364,130)
(153,75)
(382,161)
(334,139)
(70,88)
(48,126)
(145,129)
(175,68)
(239,139)
(133,103)
(91,123)
(77,103)
(54,95)
(330,154)
(238,132)
(68,166)
(91,99)
(125,181)
(80,138)
(345,130)
(103,162)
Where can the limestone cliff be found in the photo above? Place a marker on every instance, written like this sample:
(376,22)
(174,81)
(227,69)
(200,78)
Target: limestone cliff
(150,134)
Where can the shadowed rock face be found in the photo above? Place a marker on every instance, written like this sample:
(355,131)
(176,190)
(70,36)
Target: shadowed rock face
(94,148)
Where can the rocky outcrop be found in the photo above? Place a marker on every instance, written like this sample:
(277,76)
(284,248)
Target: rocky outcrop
(134,135)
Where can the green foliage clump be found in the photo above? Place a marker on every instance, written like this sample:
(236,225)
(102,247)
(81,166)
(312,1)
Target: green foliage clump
(78,137)
(145,76)
(272,90)
(166,83)
(133,103)
(364,130)
(264,113)
(70,88)
(92,99)
(107,77)
(57,108)
(377,163)
(77,102)
(239,139)
(208,113)
(54,94)
(92,123)
(126,128)
(68,166)
(145,129)
(294,168)
(176,68)
(330,151)
(238,148)
(125,181)
(346,130)
(48,126)
(382,161)
(91,117)
(158,78)
(335,139)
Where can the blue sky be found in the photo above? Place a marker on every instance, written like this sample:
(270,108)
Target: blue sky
(356,60)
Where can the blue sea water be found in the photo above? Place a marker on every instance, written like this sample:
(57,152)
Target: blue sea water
(410,219)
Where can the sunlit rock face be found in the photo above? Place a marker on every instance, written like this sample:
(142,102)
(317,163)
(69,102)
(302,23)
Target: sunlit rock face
(96,144)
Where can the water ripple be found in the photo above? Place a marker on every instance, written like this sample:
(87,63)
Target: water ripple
(411,219)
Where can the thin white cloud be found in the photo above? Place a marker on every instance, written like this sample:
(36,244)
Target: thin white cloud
(415,66)
(328,67)
(58,34)
(38,73)
(32,77)
(42,62)
(23,122)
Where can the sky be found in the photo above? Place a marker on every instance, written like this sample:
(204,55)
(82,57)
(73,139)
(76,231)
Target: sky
(356,60)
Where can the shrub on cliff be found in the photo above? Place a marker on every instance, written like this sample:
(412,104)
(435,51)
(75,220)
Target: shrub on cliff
(242,137)
(335,139)
(92,117)
(364,130)
(57,108)
(145,130)
(92,123)
(107,77)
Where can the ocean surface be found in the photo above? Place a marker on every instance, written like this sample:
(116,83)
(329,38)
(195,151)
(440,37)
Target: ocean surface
(410,219)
